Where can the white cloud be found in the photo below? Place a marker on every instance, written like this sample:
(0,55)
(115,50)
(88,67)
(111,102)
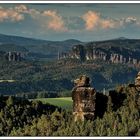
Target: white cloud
(94,20)
(129,21)
(91,19)
(21,8)
(10,14)
(55,21)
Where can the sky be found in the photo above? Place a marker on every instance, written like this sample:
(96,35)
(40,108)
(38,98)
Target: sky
(84,22)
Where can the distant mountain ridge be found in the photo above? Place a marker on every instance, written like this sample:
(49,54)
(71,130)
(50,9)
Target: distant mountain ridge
(38,48)
(12,39)
(35,46)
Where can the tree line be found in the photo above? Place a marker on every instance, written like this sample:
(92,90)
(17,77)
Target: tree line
(117,114)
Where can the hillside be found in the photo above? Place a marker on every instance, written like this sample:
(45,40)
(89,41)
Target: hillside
(35,74)
(44,49)
(124,51)
(12,47)
(10,39)
(126,47)
(35,47)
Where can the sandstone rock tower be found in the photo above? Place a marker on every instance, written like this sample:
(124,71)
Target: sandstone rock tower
(137,81)
(83,97)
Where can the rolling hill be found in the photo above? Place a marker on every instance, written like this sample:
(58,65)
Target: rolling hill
(35,47)
(49,49)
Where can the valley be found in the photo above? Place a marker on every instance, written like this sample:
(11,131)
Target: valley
(37,72)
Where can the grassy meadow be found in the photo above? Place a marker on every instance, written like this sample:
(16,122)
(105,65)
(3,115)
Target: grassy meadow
(63,102)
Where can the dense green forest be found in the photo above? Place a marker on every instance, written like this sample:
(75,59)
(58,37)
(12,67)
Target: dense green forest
(117,114)
(54,77)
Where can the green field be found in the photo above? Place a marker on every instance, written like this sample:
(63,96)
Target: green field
(65,102)
(10,81)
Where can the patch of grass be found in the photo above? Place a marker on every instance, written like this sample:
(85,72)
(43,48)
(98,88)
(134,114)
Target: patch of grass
(10,81)
(64,102)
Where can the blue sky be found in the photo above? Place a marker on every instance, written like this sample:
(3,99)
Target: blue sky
(85,22)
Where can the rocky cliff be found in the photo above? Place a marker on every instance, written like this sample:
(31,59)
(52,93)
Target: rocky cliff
(112,55)
(84,98)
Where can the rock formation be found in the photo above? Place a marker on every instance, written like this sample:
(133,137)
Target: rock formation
(13,56)
(137,81)
(83,97)
(79,52)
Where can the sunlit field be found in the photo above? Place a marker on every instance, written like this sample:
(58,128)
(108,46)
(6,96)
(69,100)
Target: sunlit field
(65,102)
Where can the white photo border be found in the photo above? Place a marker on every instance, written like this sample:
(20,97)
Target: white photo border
(68,2)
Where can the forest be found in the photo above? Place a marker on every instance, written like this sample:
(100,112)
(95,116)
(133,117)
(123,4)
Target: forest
(117,114)
(56,77)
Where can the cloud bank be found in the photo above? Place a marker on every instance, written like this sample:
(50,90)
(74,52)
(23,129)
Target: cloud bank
(10,15)
(50,19)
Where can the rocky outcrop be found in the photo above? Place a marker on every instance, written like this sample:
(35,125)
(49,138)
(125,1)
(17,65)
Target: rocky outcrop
(13,56)
(83,97)
(116,57)
(137,81)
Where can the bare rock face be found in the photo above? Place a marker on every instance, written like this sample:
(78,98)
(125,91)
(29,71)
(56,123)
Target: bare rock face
(83,81)
(84,98)
(137,81)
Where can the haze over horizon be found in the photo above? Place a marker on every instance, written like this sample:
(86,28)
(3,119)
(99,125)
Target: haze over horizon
(84,22)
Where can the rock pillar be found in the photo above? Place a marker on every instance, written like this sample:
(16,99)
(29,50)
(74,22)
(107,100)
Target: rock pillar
(84,98)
